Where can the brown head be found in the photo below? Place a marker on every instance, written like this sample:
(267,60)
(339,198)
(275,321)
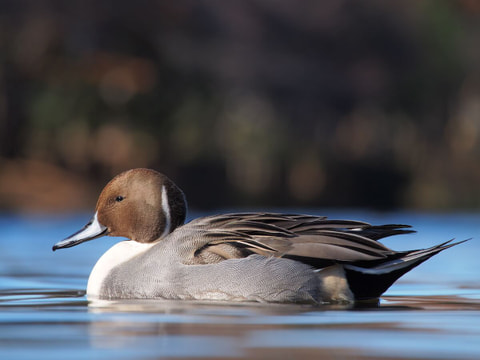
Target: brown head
(140,204)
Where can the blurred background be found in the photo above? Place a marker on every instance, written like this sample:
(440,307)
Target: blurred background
(253,103)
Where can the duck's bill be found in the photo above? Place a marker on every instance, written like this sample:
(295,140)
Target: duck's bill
(91,231)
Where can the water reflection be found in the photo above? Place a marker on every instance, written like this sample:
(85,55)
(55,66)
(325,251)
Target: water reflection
(445,326)
(258,330)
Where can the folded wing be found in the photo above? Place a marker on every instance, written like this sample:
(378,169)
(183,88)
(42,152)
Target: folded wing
(314,240)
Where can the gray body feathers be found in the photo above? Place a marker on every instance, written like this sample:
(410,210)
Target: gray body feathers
(267,258)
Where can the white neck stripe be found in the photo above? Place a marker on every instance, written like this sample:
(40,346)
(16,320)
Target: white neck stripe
(166,212)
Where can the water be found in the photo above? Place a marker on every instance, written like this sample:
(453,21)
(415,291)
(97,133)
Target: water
(431,313)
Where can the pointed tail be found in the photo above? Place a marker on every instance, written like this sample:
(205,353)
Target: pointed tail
(371,282)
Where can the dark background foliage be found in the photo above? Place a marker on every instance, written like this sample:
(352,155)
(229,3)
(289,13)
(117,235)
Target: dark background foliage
(254,103)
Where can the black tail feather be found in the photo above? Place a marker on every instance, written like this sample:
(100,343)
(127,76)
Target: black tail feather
(371,282)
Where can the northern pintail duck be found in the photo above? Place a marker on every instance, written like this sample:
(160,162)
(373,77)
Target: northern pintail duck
(263,257)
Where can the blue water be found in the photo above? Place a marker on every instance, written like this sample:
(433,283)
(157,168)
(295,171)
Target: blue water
(431,313)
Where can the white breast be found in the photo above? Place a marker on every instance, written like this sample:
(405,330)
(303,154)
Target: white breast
(116,255)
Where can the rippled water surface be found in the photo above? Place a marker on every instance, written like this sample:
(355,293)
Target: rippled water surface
(431,313)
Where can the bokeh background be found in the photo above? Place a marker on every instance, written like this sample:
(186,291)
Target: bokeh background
(253,103)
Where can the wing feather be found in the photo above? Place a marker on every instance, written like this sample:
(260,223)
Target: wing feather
(294,236)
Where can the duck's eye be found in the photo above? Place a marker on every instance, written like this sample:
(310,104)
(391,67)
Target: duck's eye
(119,198)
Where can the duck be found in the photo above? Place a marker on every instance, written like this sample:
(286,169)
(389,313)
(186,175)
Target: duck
(238,257)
